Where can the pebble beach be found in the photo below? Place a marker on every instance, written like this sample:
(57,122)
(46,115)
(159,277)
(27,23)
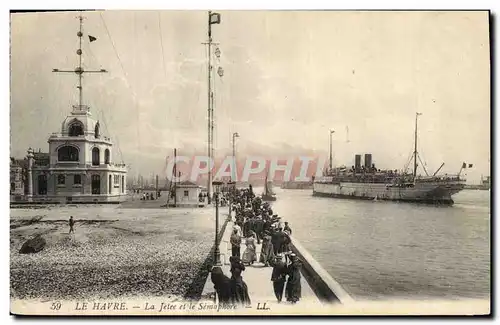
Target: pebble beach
(114,252)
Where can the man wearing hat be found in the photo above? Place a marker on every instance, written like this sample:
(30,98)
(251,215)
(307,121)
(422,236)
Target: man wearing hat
(293,290)
(278,276)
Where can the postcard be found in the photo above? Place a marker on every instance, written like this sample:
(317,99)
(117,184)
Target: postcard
(168,163)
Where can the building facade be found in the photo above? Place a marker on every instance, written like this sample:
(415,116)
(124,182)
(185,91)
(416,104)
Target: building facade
(187,195)
(16,178)
(79,166)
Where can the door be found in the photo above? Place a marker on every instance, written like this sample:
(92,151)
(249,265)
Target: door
(42,184)
(109,185)
(96,184)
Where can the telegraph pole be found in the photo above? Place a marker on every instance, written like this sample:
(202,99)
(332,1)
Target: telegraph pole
(213,18)
(331,160)
(415,153)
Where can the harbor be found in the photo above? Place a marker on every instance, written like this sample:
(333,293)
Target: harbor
(256,202)
(403,259)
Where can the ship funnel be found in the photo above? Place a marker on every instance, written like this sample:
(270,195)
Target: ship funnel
(357,162)
(368,160)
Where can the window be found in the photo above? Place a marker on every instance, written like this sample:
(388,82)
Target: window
(95,157)
(186,193)
(77,180)
(61,180)
(106,156)
(116,180)
(67,153)
(12,187)
(123,184)
(96,131)
(75,129)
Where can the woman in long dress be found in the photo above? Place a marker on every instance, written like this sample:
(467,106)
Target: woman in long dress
(222,285)
(249,255)
(239,289)
(267,251)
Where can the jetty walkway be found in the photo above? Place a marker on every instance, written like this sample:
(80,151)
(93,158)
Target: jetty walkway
(260,287)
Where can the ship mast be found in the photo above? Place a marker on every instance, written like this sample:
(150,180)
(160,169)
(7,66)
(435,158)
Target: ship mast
(79,71)
(415,153)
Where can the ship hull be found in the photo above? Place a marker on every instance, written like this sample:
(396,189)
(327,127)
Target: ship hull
(428,193)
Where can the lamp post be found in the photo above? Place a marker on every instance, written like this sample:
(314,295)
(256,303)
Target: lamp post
(216,185)
(232,187)
(331,132)
(235,135)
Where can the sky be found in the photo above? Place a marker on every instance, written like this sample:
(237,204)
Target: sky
(289,77)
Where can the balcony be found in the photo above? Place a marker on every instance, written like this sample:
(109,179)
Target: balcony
(86,136)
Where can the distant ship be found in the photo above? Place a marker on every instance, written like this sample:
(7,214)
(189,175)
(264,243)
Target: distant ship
(268,194)
(296,185)
(485,184)
(369,183)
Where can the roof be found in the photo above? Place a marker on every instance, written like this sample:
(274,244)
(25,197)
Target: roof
(187,184)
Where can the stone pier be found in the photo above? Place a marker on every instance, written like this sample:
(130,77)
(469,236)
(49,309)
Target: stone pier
(260,288)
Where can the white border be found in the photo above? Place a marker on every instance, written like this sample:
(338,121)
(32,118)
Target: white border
(185,4)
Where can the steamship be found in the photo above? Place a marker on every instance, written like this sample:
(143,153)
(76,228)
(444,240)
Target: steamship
(366,182)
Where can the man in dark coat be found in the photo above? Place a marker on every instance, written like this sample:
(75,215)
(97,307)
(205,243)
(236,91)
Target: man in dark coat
(285,246)
(287,228)
(235,243)
(293,290)
(236,263)
(259,229)
(279,240)
(278,276)
(222,285)
(71,224)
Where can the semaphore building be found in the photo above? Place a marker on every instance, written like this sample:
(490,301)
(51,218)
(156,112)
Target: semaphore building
(79,167)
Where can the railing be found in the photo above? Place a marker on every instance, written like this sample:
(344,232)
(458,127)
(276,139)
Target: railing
(85,135)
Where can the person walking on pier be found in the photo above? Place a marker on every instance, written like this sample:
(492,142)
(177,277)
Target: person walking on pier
(249,255)
(287,228)
(278,241)
(71,224)
(293,291)
(235,243)
(239,289)
(237,227)
(259,229)
(278,276)
(236,264)
(267,252)
(222,285)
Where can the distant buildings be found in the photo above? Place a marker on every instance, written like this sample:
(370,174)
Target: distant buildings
(187,194)
(17,177)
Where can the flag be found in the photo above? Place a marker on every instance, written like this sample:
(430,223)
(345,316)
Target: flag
(464,165)
(92,38)
(470,165)
(214,18)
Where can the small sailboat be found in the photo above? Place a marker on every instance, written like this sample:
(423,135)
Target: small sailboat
(268,194)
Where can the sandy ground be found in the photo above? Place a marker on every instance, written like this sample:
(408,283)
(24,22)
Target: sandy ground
(114,252)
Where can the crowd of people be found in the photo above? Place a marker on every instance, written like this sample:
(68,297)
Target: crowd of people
(255,222)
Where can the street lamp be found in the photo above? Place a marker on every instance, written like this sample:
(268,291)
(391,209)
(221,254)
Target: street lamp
(235,135)
(232,190)
(331,132)
(216,185)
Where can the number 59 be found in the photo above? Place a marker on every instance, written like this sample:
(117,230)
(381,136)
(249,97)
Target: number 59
(55,306)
